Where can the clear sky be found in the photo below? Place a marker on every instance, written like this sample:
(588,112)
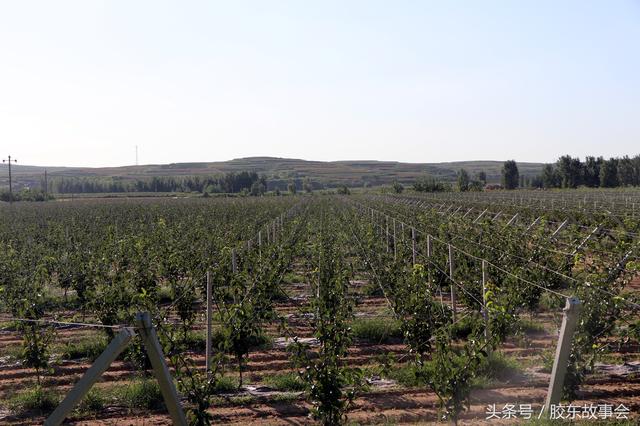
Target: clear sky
(82,82)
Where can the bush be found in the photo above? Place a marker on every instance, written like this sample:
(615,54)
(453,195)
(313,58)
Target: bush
(377,330)
(143,394)
(90,348)
(286,382)
(467,326)
(225,384)
(93,402)
(499,367)
(36,399)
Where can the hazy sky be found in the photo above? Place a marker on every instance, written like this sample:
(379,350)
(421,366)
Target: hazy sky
(83,82)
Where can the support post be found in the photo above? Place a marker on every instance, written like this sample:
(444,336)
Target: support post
(160,369)
(453,285)
(209,320)
(234,261)
(90,377)
(563,350)
(485,312)
(395,245)
(413,244)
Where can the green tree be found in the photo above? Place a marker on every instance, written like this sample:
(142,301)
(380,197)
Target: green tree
(510,175)
(549,176)
(482,177)
(291,187)
(463,180)
(307,186)
(397,187)
(609,173)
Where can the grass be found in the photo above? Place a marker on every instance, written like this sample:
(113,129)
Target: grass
(141,394)
(93,402)
(226,384)
(89,348)
(292,277)
(286,382)
(530,327)
(377,330)
(36,399)
(499,367)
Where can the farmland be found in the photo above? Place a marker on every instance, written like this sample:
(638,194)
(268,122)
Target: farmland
(368,308)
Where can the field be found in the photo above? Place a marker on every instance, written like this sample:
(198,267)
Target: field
(358,309)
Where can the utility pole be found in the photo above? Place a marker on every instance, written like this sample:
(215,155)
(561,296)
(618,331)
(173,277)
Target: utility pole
(9,160)
(46,184)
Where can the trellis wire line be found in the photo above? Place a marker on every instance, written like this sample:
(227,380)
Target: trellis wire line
(79,324)
(418,231)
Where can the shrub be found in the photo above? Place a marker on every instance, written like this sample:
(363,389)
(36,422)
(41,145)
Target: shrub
(90,348)
(36,399)
(143,394)
(286,382)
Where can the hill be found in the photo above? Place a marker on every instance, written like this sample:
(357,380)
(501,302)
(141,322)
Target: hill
(279,171)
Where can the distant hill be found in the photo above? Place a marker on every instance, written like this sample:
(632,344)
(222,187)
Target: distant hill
(280,171)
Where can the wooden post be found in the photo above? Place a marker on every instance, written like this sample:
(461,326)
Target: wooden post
(413,244)
(485,312)
(160,369)
(387,223)
(428,245)
(395,245)
(234,261)
(209,320)
(563,350)
(90,377)
(453,285)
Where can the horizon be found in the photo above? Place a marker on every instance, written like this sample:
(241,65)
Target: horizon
(18,165)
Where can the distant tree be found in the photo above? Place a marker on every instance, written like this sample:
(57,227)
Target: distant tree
(609,173)
(463,180)
(307,186)
(591,171)
(397,187)
(550,177)
(258,188)
(429,184)
(476,186)
(291,187)
(510,175)
(482,177)
(536,182)
(570,171)
(343,190)
(626,172)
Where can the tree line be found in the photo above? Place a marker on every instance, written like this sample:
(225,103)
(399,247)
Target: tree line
(566,172)
(228,183)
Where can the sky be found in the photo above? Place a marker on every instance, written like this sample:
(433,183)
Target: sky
(83,82)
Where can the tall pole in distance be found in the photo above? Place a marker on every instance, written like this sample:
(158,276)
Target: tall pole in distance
(10,189)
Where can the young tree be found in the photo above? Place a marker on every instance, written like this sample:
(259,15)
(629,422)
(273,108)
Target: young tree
(510,175)
(482,177)
(463,180)
(397,187)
